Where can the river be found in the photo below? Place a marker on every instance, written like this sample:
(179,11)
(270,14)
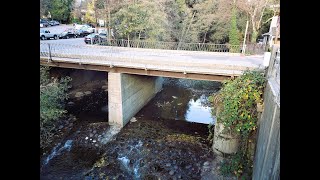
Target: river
(167,139)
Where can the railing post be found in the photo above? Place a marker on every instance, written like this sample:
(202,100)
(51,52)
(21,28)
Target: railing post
(49,58)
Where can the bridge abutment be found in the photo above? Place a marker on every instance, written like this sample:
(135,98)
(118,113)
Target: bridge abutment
(127,94)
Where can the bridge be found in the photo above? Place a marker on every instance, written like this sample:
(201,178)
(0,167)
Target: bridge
(135,68)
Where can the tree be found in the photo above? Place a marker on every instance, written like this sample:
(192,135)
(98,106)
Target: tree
(61,9)
(233,34)
(138,17)
(90,14)
(52,97)
(44,7)
(255,10)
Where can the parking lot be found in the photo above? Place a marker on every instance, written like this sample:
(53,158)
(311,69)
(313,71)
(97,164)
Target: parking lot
(59,29)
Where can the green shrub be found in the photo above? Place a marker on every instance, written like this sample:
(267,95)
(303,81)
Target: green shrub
(236,107)
(52,97)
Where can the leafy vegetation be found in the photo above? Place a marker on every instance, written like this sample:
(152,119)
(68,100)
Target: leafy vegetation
(233,34)
(235,106)
(52,97)
(203,21)
(61,10)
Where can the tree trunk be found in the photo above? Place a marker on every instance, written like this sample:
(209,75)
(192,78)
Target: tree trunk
(128,41)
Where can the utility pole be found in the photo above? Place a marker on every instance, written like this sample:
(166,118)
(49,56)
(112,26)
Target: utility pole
(244,39)
(109,24)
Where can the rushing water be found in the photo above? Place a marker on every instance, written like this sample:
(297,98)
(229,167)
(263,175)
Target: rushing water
(167,140)
(67,146)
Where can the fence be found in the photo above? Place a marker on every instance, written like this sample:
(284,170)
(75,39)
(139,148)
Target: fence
(250,48)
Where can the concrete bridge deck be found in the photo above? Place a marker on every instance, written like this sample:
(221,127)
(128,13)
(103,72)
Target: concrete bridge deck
(215,66)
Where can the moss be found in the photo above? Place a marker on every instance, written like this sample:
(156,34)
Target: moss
(100,163)
(182,138)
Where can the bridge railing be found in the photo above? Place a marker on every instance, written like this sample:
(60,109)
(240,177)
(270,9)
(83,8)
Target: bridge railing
(68,51)
(208,47)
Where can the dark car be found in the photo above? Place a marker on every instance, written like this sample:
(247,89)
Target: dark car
(45,23)
(92,39)
(88,24)
(67,35)
(82,33)
(54,23)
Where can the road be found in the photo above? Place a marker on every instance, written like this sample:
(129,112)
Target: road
(75,50)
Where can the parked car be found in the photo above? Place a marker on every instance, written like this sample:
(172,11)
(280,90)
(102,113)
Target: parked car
(54,23)
(92,39)
(67,35)
(103,34)
(44,23)
(88,28)
(90,25)
(81,33)
(46,34)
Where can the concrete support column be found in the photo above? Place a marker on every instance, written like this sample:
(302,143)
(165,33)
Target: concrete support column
(127,94)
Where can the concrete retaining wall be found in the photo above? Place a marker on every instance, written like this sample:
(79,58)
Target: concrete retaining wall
(267,155)
(128,94)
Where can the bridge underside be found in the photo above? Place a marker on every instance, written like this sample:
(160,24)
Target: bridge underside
(148,72)
(129,89)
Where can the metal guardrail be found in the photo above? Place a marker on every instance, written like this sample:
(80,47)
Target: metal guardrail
(115,50)
(207,47)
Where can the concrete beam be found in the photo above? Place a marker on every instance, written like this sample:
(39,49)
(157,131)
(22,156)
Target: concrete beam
(207,77)
(127,94)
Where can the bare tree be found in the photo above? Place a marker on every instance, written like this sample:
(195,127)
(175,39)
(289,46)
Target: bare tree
(255,10)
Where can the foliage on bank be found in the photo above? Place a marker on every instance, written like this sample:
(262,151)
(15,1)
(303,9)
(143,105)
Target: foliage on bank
(52,97)
(235,106)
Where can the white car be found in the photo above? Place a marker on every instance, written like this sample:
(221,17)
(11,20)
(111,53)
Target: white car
(45,34)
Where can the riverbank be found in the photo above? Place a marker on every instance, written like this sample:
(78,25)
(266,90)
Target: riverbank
(160,142)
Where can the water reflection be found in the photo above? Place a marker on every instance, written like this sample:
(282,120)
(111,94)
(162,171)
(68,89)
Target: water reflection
(179,103)
(199,112)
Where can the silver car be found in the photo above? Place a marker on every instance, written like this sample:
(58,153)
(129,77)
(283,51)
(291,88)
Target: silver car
(46,34)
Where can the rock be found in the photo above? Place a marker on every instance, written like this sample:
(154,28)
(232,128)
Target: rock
(104,87)
(86,138)
(60,127)
(94,141)
(71,124)
(174,97)
(87,92)
(175,167)
(90,134)
(70,103)
(171,172)
(94,131)
(179,176)
(90,139)
(206,163)
(96,145)
(78,94)
(133,119)
(168,164)
(188,167)
(174,161)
